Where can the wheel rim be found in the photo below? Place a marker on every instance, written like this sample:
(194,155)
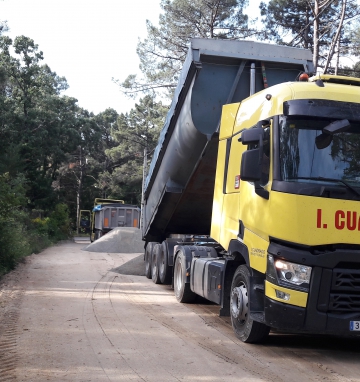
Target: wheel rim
(178,276)
(162,264)
(239,303)
(154,266)
(147,265)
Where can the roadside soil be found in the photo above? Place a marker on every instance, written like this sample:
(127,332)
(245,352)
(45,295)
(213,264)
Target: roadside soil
(72,315)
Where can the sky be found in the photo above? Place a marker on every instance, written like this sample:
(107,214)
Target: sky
(88,42)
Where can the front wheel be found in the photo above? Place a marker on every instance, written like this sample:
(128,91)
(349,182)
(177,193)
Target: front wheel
(245,328)
(182,290)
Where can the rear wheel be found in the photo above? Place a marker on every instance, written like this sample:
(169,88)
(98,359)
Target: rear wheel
(148,258)
(155,264)
(246,329)
(182,290)
(164,268)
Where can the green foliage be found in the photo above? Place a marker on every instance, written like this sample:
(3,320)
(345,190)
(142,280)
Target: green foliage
(13,244)
(56,157)
(163,52)
(292,22)
(40,131)
(355,39)
(19,235)
(134,133)
(59,223)
(353,71)
(57,226)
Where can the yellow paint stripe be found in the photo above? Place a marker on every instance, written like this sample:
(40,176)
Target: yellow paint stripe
(296,298)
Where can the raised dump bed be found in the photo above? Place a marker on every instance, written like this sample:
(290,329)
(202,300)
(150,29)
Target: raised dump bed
(178,193)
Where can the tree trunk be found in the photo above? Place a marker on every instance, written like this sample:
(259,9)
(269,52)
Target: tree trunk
(337,57)
(316,35)
(78,191)
(336,39)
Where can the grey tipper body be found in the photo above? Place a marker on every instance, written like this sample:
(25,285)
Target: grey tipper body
(179,187)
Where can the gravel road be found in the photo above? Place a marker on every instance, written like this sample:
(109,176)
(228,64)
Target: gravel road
(72,315)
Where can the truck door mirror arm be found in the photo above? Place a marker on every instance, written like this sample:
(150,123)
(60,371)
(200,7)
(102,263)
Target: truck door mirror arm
(260,190)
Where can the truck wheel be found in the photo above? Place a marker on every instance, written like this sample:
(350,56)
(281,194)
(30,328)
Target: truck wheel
(164,268)
(246,329)
(182,290)
(148,255)
(155,264)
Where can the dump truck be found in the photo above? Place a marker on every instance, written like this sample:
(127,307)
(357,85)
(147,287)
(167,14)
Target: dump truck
(108,214)
(252,196)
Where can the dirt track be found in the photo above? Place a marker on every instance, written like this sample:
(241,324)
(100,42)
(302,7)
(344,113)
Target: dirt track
(69,315)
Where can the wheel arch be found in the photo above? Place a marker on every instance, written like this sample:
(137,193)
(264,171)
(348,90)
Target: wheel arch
(239,255)
(188,256)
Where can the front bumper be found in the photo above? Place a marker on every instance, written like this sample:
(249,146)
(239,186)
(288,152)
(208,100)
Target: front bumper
(333,299)
(325,312)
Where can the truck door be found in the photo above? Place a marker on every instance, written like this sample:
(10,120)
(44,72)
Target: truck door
(231,199)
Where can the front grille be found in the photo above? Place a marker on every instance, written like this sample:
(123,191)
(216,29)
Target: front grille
(344,303)
(345,291)
(346,280)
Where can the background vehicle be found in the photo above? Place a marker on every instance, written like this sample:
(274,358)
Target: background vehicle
(84,221)
(255,205)
(108,214)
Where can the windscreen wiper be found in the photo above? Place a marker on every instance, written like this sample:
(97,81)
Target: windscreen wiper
(346,184)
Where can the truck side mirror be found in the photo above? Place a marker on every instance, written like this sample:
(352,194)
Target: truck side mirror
(251,159)
(250,170)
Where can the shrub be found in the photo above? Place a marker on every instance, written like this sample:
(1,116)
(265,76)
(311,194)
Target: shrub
(20,235)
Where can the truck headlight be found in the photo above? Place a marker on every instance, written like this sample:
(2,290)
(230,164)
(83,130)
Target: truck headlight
(289,274)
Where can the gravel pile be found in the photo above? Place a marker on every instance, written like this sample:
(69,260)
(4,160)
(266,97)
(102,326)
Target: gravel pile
(118,240)
(134,267)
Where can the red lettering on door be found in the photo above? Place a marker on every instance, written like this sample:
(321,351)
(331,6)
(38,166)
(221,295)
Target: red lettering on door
(351,220)
(318,222)
(339,224)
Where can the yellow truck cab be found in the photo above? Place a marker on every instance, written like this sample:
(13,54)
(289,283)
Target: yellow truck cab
(299,227)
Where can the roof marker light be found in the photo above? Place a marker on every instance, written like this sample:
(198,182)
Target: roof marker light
(303,77)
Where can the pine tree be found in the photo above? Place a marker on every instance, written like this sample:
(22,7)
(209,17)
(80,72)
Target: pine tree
(319,25)
(163,52)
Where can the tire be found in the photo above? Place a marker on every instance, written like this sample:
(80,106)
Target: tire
(246,329)
(182,290)
(155,264)
(148,258)
(164,268)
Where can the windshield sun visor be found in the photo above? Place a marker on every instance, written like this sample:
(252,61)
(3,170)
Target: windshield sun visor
(321,107)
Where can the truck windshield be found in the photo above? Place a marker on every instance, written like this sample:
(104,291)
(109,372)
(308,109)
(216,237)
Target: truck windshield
(337,162)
